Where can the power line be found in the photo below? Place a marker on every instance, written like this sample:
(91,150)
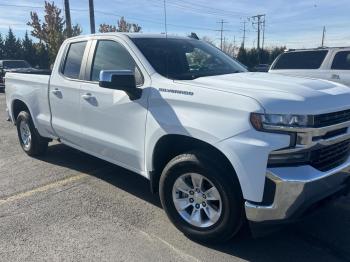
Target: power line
(193,8)
(116,15)
(214,9)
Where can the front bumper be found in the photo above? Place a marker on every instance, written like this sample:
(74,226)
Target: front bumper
(296,189)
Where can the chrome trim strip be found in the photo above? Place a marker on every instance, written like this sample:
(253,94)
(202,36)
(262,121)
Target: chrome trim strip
(305,136)
(321,131)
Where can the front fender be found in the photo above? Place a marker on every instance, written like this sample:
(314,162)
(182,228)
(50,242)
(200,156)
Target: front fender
(248,153)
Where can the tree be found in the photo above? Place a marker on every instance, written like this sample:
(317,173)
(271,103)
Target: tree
(242,55)
(229,48)
(1,47)
(51,32)
(12,46)
(122,26)
(276,52)
(29,52)
(42,56)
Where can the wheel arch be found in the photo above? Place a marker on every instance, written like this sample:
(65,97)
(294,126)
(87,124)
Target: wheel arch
(17,106)
(171,145)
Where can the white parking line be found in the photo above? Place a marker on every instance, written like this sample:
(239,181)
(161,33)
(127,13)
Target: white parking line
(183,255)
(43,188)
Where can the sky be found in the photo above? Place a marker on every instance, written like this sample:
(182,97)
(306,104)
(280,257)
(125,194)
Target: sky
(295,24)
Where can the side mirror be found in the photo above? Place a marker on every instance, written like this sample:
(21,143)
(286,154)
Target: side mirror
(120,80)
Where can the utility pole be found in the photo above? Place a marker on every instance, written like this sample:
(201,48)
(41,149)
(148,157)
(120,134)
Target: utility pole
(260,19)
(244,32)
(263,41)
(222,22)
(92,16)
(165,18)
(68,20)
(259,22)
(323,35)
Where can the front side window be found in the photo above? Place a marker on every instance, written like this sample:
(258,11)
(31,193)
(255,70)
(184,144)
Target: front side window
(342,61)
(301,60)
(74,60)
(110,55)
(186,59)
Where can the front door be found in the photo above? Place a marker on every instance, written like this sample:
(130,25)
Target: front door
(113,125)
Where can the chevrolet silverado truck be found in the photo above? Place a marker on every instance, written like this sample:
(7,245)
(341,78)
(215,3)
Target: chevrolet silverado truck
(219,144)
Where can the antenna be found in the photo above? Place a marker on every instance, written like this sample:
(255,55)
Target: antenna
(166,37)
(323,36)
(165,20)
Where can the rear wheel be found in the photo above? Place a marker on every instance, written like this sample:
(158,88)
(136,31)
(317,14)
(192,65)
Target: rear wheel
(201,198)
(31,142)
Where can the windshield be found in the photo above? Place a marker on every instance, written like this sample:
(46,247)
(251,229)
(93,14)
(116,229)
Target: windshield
(16,64)
(186,59)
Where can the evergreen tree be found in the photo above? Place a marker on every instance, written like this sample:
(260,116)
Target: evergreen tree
(242,56)
(12,46)
(29,52)
(42,56)
(1,47)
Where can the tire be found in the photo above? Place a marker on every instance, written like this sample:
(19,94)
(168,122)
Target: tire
(229,214)
(31,142)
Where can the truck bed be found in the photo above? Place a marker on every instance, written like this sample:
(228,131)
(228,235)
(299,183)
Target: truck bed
(31,88)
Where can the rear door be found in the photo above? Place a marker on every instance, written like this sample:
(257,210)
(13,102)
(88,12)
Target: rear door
(340,68)
(113,125)
(64,93)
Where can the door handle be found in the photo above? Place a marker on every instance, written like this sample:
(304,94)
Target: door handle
(56,91)
(87,96)
(335,76)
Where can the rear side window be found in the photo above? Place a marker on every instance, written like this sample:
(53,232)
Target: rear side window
(301,60)
(341,61)
(74,59)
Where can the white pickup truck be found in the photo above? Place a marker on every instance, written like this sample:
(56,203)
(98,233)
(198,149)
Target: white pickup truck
(329,63)
(221,145)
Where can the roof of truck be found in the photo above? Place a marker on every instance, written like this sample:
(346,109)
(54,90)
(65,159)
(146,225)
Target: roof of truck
(132,35)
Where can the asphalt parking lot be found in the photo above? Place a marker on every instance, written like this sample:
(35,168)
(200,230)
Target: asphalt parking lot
(68,206)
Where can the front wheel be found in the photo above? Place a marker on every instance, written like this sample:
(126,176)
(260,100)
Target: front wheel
(31,141)
(201,198)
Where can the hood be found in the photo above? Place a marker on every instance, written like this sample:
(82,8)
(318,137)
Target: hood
(282,94)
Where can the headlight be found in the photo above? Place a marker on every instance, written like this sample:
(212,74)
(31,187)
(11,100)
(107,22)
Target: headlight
(276,121)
